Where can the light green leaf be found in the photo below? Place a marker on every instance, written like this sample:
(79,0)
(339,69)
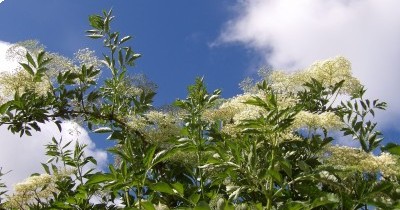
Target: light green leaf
(99,178)
(162,187)
(179,188)
(148,205)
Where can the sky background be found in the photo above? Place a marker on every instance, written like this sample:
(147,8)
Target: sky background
(224,41)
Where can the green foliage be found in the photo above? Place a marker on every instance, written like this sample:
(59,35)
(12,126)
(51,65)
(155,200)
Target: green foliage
(2,186)
(270,148)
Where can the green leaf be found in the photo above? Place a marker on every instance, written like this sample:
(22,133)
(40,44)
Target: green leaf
(103,130)
(194,197)
(96,21)
(162,187)
(40,58)
(392,148)
(30,59)
(124,39)
(120,58)
(202,205)
(4,107)
(95,36)
(275,175)
(27,68)
(99,178)
(163,155)
(46,168)
(149,156)
(115,135)
(148,205)
(327,199)
(179,188)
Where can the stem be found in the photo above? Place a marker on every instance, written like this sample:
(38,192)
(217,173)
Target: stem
(139,195)
(199,160)
(270,181)
(128,204)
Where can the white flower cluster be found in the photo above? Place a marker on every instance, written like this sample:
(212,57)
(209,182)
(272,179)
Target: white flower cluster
(21,81)
(88,58)
(354,159)
(312,121)
(31,190)
(232,112)
(155,126)
(328,72)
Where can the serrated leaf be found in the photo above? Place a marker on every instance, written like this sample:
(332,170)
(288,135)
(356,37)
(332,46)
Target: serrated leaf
(30,59)
(99,178)
(179,188)
(149,156)
(4,107)
(27,68)
(46,168)
(96,21)
(162,187)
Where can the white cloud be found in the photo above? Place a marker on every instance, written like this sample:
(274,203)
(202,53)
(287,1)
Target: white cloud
(6,64)
(23,155)
(293,34)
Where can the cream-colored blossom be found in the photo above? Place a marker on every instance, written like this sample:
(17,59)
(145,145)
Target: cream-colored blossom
(160,206)
(355,159)
(284,82)
(327,120)
(136,122)
(20,81)
(88,58)
(389,164)
(161,127)
(155,125)
(32,189)
(328,72)
(239,110)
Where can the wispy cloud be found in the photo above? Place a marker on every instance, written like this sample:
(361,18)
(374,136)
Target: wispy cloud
(293,34)
(23,155)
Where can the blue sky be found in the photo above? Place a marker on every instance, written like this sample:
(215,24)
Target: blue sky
(173,36)
(222,40)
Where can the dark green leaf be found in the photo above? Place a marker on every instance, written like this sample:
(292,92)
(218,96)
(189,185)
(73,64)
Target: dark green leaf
(392,148)
(27,68)
(96,21)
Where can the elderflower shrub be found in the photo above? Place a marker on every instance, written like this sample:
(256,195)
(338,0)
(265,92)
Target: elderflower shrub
(313,121)
(32,190)
(155,126)
(233,112)
(160,127)
(389,164)
(328,72)
(354,159)
(88,58)
(20,81)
